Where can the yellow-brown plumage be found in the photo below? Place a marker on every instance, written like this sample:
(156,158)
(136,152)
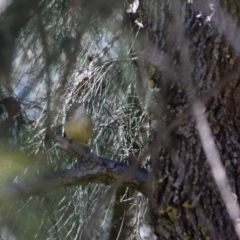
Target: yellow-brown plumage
(78,125)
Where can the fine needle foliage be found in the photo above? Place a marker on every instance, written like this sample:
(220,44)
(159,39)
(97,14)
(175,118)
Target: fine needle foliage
(61,58)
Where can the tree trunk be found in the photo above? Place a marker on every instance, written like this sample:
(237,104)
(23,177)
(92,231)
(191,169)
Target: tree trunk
(125,214)
(192,48)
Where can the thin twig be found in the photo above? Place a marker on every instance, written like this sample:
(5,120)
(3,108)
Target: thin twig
(217,168)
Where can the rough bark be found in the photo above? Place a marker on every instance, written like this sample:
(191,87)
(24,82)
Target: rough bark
(192,53)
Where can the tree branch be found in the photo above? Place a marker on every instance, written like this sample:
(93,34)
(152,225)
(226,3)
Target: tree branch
(14,18)
(90,169)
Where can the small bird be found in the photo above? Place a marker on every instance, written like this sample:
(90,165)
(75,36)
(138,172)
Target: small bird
(78,125)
